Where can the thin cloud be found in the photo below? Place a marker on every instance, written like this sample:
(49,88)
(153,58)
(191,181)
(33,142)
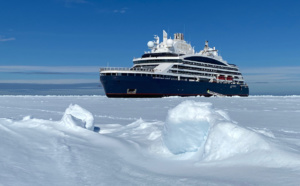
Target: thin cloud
(69,3)
(272,74)
(52,81)
(53,73)
(77,1)
(3,39)
(50,69)
(122,10)
(273,70)
(49,74)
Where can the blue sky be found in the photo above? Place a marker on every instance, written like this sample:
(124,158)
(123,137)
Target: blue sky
(66,41)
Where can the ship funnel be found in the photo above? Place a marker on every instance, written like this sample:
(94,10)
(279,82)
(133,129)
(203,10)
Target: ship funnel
(178,36)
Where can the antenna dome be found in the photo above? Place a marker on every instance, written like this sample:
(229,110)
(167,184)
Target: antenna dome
(169,43)
(150,44)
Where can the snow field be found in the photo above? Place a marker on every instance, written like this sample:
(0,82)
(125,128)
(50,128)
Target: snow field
(183,141)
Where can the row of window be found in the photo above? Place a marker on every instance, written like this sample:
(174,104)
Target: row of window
(189,73)
(206,70)
(204,59)
(193,73)
(156,76)
(124,74)
(163,54)
(207,65)
(158,61)
(146,66)
(184,62)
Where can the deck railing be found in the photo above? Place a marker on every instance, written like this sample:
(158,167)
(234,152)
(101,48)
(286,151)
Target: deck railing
(125,69)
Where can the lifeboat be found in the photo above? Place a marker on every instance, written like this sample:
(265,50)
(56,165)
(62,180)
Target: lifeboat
(221,77)
(229,78)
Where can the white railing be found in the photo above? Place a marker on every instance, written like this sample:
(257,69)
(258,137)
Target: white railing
(125,69)
(114,68)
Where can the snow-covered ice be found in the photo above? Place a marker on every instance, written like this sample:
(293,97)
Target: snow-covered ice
(75,116)
(93,140)
(187,127)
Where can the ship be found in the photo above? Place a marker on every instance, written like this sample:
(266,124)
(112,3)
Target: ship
(173,68)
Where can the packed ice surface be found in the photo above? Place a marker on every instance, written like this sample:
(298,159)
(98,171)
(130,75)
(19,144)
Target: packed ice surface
(52,140)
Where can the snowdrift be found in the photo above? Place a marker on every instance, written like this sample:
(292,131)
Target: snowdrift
(196,127)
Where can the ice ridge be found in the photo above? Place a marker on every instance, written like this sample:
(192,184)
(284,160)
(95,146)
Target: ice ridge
(198,127)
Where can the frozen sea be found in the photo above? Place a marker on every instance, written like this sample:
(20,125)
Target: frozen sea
(94,140)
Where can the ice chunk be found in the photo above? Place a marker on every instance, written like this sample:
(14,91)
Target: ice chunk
(25,118)
(198,127)
(187,126)
(78,116)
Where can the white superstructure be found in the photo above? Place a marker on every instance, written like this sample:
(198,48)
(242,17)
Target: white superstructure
(176,45)
(176,57)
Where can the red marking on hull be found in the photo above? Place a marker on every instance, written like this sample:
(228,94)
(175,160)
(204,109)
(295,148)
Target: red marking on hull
(120,95)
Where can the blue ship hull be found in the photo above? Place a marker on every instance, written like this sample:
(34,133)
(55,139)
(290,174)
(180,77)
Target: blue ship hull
(147,86)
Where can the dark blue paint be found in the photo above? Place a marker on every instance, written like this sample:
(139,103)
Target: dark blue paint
(148,86)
